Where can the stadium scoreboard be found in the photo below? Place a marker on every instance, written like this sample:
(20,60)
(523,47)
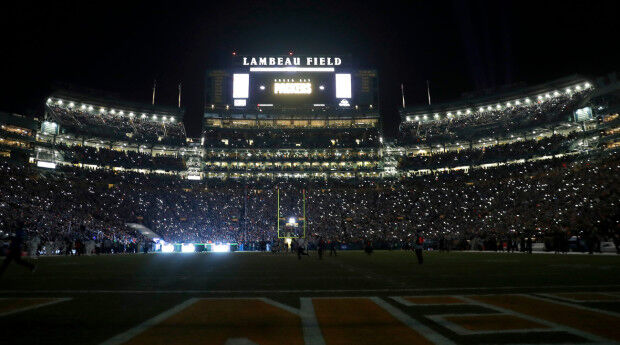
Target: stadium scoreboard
(290,81)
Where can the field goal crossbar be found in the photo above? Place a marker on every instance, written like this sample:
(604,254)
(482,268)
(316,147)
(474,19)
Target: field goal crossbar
(278,218)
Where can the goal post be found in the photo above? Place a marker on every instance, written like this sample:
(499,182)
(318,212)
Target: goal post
(292,225)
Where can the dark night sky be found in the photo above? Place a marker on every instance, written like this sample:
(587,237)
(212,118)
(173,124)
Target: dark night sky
(459,46)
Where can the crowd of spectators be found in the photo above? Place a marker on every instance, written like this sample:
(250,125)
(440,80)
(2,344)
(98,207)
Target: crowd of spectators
(572,196)
(114,158)
(523,149)
(121,127)
(494,122)
(291,138)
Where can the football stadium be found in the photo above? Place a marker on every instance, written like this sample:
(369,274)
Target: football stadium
(294,217)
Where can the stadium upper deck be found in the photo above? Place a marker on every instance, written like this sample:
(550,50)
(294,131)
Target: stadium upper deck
(498,115)
(320,140)
(115,120)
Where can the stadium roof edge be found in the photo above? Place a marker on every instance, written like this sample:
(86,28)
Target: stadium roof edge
(116,103)
(492,98)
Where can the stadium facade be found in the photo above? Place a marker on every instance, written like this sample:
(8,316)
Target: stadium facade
(312,117)
(292,116)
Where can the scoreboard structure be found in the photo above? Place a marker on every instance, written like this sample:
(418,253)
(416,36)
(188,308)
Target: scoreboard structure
(291,116)
(259,81)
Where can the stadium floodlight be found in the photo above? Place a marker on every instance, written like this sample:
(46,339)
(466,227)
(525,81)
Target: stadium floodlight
(59,102)
(83,107)
(321,87)
(49,100)
(578,88)
(164,118)
(71,105)
(417,118)
(489,108)
(481,109)
(112,111)
(508,104)
(154,117)
(539,97)
(556,93)
(548,95)
(517,102)
(262,87)
(425,117)
(457,113)
(171,119)
(586,85)
(498,106)
(568,90)
(131,114)
(468,111)
(527,100)
(121,113)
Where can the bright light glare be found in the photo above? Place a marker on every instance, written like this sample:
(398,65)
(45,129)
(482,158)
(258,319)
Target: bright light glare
(343,85)
(167,248)
(188,248)
(241,85)
(220,248)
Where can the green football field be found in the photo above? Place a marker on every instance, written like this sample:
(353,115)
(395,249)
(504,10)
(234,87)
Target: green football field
(264,298)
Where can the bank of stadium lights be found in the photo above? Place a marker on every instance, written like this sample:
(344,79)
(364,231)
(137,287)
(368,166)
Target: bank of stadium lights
(143,116)
(154,117)
(71,104)
(525,101)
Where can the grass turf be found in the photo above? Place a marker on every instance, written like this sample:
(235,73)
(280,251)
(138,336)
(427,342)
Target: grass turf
(113,293)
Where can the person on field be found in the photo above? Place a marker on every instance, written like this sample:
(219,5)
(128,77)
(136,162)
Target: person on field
(419,247)
(368,248)
(15,250)
(321,247)
(301,247)
(332,247)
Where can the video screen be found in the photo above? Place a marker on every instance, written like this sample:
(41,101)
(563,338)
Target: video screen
(280,88)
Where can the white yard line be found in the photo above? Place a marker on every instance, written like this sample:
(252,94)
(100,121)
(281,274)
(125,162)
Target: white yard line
(573,305)
(414,324)
(586,335)
(402,300)
(132,332)
(55,301)
(262,291)
(458,329)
